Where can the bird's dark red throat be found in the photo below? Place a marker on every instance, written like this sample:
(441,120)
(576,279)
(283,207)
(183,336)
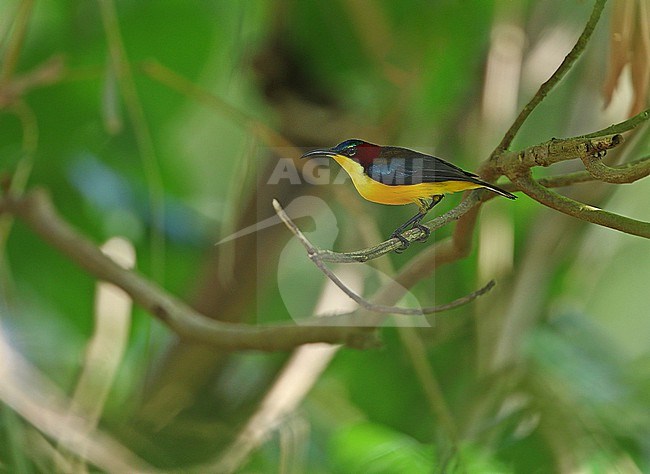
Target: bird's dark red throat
(394,175)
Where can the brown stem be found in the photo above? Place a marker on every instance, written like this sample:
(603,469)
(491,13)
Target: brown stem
(616,175)
(528,185)
(552,81)
(36,210)
(313,254)
(363,255)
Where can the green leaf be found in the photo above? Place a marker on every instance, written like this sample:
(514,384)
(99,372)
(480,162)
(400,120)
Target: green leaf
(374,448)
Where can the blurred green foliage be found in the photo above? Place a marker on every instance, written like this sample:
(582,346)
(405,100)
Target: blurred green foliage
(573,394)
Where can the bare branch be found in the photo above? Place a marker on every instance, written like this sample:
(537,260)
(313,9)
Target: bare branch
(624,126)
(175,81)
(14,45)
(511,163)
(314,255)
(363,255)
(48,72)
(151,167)
(36,210)
(557,76)
(40,401)
(629,172)
(618,175)
(445,251)
(528,185)
(563,149)
(565,179)
(558,181)
(554,151)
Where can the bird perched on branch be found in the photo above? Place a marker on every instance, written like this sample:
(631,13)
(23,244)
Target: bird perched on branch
(395,176)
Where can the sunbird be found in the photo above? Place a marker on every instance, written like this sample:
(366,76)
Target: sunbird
(396,176)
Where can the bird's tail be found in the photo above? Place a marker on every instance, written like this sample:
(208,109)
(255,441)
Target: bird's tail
(496,189)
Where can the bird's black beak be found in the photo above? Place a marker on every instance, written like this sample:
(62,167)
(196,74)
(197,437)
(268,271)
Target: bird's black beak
(319,152)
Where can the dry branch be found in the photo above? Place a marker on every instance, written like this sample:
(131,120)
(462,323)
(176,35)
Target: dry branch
(552,81)
(554,151)
(314,255)
(363,255)
(36,210)
(587,213)
(616,175)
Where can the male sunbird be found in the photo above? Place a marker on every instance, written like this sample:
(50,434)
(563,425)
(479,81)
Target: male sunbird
(394,175)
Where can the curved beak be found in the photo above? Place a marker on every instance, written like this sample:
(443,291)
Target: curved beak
(319,152)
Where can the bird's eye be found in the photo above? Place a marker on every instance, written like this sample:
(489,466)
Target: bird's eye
(351,152)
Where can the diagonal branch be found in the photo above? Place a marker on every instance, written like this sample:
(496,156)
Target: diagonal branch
(502,162)
(616,175)
(528,185)
(459,245)
(624,126)
(314,255)
(175,81)
(121,66)
(628,172)
(370,253)
(48,72)
(36,210)
(557,76)
(14,45)
(562,149)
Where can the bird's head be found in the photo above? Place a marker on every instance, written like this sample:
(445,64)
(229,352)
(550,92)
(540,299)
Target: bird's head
(353,149)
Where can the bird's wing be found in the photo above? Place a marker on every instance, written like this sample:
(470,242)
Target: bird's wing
(398,166)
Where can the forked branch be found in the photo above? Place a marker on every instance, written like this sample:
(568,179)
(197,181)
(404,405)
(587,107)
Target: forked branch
(555,78)
(568,206)
(315,256)
(363,255)
(616,175)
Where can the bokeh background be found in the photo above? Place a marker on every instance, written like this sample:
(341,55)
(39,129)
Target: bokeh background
(161,122)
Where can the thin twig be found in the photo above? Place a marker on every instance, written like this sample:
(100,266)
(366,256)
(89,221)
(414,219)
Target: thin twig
(629,172)
(175,81)
(511,163)
(616,175)
(50,71)
(557,76)
(36,210)
(151,167)
(40,401)
(314,255)
(412,339)
(528,185)
(16,40)
(624,126)
(23,170)
(562,180)
(363,255)
(459,245)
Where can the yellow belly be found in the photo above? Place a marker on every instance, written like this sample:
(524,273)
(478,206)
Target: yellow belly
(395,195)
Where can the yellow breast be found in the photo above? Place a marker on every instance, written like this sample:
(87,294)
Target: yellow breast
(395,195)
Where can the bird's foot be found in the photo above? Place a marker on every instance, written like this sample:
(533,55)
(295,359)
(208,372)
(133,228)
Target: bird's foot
(426,232)
(402,239)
